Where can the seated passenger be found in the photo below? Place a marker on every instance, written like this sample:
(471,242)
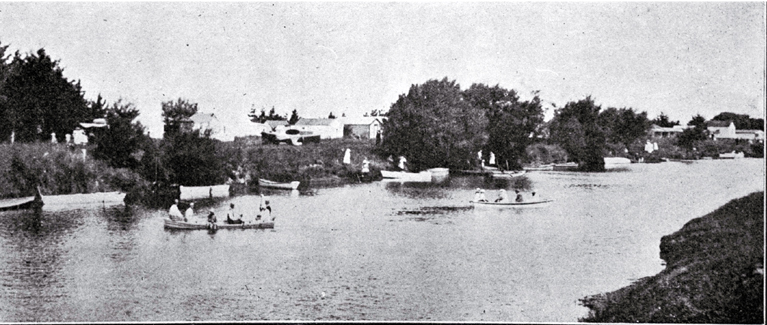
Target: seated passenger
(502,197)
(189,212)
(519,197)
(174,213)
(232,217)
(212,220)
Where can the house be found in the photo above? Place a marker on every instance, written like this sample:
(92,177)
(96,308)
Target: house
(750,135)
(209,121)
(327,128)
(362,127)
(721,129)
(661,132)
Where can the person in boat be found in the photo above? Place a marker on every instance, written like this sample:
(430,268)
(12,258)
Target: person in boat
(212,220)
(519,197)
(189,212)
(502,196)
(265,209)
(174,213)
(402,163)
(365,166)
(232,217)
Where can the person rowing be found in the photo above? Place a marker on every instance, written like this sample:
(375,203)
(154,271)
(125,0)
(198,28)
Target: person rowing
(212,220)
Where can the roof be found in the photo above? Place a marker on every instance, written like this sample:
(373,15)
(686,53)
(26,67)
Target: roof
(718,124)
(202,118)
(749,131)
(316,121)
(364,120)
(275,123)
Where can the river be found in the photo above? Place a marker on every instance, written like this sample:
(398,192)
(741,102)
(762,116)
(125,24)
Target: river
(366,252)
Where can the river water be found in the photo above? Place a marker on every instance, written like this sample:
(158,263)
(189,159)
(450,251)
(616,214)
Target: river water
(379,251)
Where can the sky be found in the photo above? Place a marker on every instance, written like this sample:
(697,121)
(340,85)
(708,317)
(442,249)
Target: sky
(679,58)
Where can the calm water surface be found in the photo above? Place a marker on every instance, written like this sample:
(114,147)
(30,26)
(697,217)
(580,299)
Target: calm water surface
(377,251)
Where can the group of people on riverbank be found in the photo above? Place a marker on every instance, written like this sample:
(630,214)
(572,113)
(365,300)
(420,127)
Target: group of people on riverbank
(233,216)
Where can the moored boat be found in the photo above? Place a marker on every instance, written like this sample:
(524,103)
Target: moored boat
(565,167)
(82,200)
(526,204)
(510,174)
(538,168)
(180,225)
(731,155)
(423,176)
(190,193)
(22,203)
(271,184)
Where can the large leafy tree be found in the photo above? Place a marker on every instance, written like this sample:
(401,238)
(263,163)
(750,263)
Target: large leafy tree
(39,100)
(576,129)
(121,143)
(511,123)
(175,114)
(191,160)
(741,121)
(663,121)
(6,69)
(433,126)
(623,125)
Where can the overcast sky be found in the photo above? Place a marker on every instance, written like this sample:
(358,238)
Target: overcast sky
(681,58)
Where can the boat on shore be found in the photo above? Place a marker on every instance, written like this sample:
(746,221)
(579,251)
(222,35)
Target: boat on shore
(731,155)
(565,167)
(82,200)
(22,203)
(181,225)
(614,162)
(525,204)
(424,176)
(284,186)
(507,175)
(538,168)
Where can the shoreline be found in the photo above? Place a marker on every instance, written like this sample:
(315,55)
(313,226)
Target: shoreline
(714,273)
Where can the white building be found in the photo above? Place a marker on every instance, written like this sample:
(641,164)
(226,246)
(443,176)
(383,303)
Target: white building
(209,121)
(327,128)
(362,127)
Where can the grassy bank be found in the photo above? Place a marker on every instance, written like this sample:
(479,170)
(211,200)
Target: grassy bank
(714,273)
(57,169)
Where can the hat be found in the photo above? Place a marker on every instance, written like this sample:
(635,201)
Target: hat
(211,211)
(191,204)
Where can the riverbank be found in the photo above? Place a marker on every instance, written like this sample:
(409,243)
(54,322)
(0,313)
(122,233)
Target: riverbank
(714,273)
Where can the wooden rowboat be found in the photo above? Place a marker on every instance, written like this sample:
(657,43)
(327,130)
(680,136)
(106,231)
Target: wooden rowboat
(180,225)
(22,203)
(507,174)
(423,176)
(271,184)
(527,204)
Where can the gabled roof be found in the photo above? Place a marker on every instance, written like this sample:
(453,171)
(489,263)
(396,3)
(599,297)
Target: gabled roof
(202,118)
(718,124)
(364,120)
(316,121)
(276,123)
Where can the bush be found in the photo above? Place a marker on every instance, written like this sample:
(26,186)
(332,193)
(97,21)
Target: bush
(542,154)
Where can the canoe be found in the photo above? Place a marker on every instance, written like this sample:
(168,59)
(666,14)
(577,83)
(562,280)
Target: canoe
(271,184)
(22,203)
(423,176)
(180,225)
(191,193)
(82,200)
(508,175)
(538,168)
(526,204)
(565,167)
(731,155)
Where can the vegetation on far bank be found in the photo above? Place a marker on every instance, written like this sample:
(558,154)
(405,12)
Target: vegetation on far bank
(714,273)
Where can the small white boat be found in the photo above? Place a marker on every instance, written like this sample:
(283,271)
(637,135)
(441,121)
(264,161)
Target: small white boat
(538,168)
(565,167)
(508,175)
(424,176)
(731,155)
(526,204)
(191,193)
(271,184)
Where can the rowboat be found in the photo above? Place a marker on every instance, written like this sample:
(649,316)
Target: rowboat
(538,168)
(271,184)
(507,175)
(21,203)
(526,204)
(613,162)
(423,176)
(731,155)
(565,167)
(82,200)
(190,193)
(180,225)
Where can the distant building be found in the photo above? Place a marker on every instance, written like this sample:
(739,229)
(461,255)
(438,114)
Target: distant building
(720,130)
(209,121)
(661,132)
(327,128)
(362,127)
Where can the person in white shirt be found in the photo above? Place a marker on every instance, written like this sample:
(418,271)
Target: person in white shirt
(232,217)
(189,212)
(174,213)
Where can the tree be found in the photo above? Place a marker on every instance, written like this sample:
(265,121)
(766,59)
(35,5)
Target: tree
(293,118)
(741,121)
(6,70)
(576,129)
(432,126)
(623,125)
(511,124)
(663,121)
(697,120)
(192,161)
(121,141)
(175,114)
(38,100)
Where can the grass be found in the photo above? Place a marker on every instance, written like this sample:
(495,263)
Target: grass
(714,273)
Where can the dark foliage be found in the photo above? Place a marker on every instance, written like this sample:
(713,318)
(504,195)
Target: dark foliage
(576,129)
